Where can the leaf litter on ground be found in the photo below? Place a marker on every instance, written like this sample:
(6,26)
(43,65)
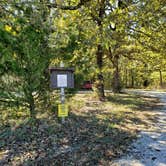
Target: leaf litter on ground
(94,133)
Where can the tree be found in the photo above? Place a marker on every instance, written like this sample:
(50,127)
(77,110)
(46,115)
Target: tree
(24,64)
(26,31)
(148,29)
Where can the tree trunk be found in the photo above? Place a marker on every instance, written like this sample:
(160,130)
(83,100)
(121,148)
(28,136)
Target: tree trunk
(145,83)
(116,85)
(100,79)
(126,78)
(161,78)
(132,78)
(99,53)
(146,75)
(32,107)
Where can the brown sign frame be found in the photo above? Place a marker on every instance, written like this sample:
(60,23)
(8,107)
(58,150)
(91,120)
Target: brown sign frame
(55,71)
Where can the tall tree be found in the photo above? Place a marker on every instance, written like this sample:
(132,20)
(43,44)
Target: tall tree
(24,65)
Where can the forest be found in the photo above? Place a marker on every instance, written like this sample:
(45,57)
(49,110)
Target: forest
(115,44)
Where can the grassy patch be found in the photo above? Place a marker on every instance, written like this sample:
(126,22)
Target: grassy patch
(94,133)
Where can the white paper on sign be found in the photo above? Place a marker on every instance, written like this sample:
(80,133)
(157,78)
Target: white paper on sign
(62,80)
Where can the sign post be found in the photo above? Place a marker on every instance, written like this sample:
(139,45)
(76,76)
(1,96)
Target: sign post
(62,81)
(62,101)
(62,78)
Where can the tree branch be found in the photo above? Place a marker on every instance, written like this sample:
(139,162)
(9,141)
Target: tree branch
(139,31)
(81,3)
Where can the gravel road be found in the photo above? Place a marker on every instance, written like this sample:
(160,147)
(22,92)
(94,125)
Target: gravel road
(150,147)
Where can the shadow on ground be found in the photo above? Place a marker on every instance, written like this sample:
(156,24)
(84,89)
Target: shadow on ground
(135,101)
(82,140)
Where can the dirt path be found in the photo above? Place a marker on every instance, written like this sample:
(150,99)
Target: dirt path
(150,147)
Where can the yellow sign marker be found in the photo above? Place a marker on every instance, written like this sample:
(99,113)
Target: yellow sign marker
(63,110)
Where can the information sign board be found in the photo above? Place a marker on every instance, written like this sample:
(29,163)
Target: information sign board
(62,80)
